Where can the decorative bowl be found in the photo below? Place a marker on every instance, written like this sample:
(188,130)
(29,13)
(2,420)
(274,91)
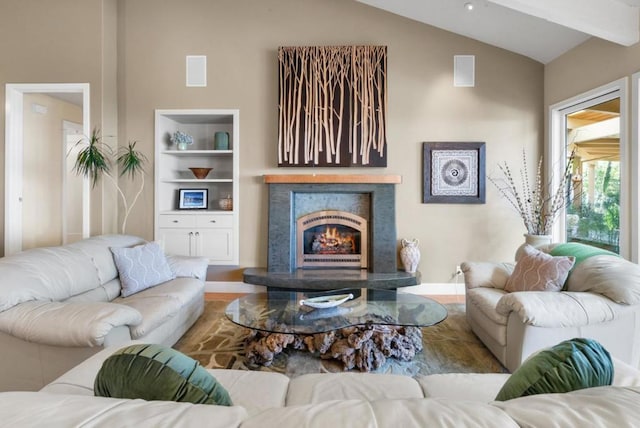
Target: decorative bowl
(200,173)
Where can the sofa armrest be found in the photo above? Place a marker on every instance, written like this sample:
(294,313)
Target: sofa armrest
(486,274)
(188,267)
(558,309)
(76,324)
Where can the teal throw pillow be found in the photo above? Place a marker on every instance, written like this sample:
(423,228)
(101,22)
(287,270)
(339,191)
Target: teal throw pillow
(570,365)
(156,372)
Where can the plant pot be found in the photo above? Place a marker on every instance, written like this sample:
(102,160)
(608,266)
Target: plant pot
(533,240)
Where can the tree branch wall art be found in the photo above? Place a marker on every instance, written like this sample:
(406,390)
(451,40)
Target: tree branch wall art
(332,106)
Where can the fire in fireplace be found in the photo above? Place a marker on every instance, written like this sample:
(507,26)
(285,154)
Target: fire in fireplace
(331,239)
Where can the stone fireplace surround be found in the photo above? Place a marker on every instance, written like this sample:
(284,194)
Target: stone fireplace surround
(370,196)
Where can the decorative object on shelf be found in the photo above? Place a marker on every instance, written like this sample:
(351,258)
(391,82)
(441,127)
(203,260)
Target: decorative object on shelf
(410,254)
(226,203)
(221,141)
(181,140)
(201,173)
(453,173)
(95,160)
(194,199)
(332,106)
(538,205)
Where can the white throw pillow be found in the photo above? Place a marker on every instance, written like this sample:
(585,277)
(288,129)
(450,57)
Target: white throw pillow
(141,267)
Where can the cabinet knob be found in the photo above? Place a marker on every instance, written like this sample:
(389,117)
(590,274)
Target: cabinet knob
(190,233)
(212,221)
(175,221)
(197,233)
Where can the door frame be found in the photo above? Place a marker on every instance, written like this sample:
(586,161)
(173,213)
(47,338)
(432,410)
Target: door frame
(14,140)
(555,155)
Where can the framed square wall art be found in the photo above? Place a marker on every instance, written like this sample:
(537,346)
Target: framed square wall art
(194,199)
(454,173)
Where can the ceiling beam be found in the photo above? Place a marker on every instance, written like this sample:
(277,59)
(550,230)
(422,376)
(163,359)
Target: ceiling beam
(610,20)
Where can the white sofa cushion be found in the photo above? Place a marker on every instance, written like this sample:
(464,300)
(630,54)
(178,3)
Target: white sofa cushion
(563,309)
(98,249)
(593,407)
(611,276)
(159,303)
(320,387)
(255,391)
(481,387)
(346,413)
(485,274)
(45,274)
(486,300)
(36,409)
(66,323)
(188,266)
(439,412)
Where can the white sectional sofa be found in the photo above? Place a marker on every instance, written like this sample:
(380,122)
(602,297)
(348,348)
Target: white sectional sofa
(601,301)
(263,399)
(60,305)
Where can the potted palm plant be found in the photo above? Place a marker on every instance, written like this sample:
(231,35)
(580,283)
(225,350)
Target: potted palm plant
(96,159)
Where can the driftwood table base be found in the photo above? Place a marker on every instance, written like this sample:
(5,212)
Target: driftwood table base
(365,346)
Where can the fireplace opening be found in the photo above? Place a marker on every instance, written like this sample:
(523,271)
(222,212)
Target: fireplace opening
(331,239)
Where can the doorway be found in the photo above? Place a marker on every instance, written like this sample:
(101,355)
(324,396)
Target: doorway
(34,168)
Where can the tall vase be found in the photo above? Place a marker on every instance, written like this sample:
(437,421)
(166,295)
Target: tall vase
(410,255)
(533,240)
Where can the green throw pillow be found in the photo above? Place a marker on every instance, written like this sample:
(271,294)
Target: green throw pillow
(579,251)
(155,372)
(568,366)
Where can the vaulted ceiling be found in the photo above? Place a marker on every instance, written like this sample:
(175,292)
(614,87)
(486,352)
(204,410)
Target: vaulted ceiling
(539,29)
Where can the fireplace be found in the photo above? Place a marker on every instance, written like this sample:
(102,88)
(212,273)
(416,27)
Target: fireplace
(331,238)
(328,232)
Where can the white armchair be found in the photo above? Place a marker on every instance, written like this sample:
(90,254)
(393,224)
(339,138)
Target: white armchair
(601,300)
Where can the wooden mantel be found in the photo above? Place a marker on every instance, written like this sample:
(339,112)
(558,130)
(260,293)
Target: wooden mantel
(332,179)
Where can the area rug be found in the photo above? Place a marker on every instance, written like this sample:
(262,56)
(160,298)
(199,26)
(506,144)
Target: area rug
(449,347)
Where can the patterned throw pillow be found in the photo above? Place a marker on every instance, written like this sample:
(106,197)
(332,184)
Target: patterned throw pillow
(568,366)
(141,267)
(156,372)
(538,271)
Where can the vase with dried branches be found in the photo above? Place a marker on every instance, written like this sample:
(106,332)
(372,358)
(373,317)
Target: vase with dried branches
(537,203)
(96,159)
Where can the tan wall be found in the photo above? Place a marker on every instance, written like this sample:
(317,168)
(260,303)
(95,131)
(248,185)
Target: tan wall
(51,42)
(240,39)
(592,64)
(42,175)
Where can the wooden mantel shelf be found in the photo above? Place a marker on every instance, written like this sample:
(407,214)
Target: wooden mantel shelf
(332,179)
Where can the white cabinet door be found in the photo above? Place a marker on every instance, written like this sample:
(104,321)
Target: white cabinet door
(178,242)
(215,244)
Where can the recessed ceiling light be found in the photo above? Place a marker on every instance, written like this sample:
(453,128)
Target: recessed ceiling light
(468,6)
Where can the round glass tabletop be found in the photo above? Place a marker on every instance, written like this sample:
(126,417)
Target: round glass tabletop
(311,312)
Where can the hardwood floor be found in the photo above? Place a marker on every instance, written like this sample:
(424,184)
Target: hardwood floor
(438,298)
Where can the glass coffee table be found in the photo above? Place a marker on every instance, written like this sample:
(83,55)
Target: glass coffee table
(360,327)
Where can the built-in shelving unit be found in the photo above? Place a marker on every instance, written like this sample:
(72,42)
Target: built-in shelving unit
(211,232)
